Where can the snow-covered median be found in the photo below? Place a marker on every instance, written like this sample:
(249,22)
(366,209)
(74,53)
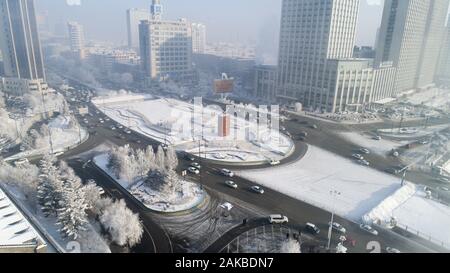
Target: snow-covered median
(187,196)
(312,178)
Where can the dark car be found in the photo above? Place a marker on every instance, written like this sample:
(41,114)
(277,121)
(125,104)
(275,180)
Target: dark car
(311,228)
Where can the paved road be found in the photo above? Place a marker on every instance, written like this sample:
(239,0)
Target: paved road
(155,239)
(298,212)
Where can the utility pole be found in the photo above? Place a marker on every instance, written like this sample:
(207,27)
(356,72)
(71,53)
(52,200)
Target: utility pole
(333,193)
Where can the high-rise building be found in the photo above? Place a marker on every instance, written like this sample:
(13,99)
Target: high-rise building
(265,82)
(198,38)
(76,39)
(156,10)
(432,43)
(166,49)
(410,37)
(134,17)
(21,48)
(315,65)
(443,75)
(313,31)
(20,45)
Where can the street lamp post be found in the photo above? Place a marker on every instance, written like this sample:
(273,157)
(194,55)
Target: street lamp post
(330,229)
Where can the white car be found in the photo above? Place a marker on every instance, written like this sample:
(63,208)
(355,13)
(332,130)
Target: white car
(257,189)
(392,250)
(226,172)
(193,170)
(113,128)
(357,156)
(338,227)
(364,162)
(364,151)
(21,161)
(227,206)
(369,229)
(274,162)
(231,184)
(196,165)
(278,219)
(377,137)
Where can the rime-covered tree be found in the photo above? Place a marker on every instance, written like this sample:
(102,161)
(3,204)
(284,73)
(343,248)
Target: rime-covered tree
(23,177)
(50,186)
(160,158)
(122,224)
(171,160)
(92,193)
(72,215)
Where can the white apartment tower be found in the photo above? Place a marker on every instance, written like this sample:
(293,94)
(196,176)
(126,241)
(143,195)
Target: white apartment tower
(411,35)
(134,18)
(198,37)
(313,32)
(76,39)
(165,47)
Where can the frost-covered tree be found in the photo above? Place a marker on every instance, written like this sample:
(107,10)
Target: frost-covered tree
(122,224)
(171,160)
(160,158)
(7,125)
(290,246)
(72,215)
(50,186)
(92,194)
(23,177)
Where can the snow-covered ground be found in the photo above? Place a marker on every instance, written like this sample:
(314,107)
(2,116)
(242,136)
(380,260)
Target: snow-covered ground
(174,122)
(312,178)
(427,217)
(435,98)
(413,212)
(63,136)
(187,197)
(411,132)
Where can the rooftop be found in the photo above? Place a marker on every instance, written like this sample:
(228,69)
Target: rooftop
(15,229)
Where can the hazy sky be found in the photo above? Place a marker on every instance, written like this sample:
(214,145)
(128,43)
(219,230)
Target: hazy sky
(246,21)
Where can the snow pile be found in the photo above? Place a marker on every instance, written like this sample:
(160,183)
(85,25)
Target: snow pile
(312,178)
(382,214)
(435,98)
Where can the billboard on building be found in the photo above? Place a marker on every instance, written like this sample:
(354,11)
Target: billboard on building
(224,85)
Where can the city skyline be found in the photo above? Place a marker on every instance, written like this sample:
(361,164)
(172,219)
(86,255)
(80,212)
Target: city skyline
(259,29)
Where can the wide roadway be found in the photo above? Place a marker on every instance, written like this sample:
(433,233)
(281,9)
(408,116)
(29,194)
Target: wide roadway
(298,212)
